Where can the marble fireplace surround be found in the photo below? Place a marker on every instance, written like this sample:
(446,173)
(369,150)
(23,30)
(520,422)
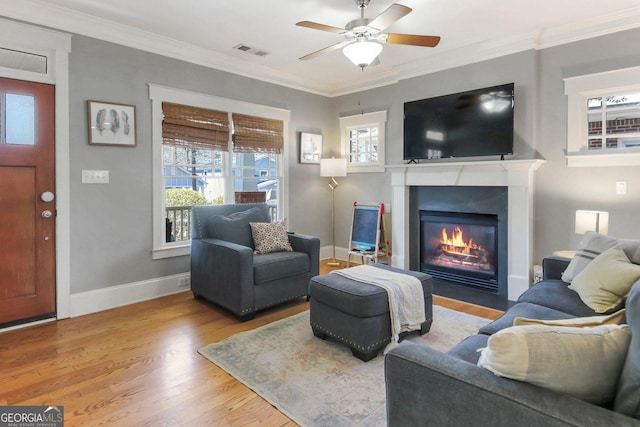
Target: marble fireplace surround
(516,175)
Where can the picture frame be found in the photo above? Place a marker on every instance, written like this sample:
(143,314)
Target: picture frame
(310,147)
(111,124)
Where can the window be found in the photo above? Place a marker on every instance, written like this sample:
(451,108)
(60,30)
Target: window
(363,141)
(604,118)
(205,150)
(194,141)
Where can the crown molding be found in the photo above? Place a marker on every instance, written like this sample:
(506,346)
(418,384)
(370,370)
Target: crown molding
(607,24)
(42,13)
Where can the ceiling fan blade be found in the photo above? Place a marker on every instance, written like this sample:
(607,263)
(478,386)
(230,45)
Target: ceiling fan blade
(326,49)
(321,27)
(389,16)
(414,40)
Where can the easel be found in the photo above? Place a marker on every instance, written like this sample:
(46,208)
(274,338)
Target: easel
(368,237)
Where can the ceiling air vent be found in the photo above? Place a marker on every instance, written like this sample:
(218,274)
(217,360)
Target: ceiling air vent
(249,49)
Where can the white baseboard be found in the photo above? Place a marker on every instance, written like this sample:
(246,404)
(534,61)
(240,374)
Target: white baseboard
(118,296)
(326,252)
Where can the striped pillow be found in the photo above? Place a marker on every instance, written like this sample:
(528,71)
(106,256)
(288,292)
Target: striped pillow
(592,245)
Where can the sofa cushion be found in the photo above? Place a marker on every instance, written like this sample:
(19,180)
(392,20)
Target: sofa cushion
(468,349)
(592,245)
(270,237)
(606,281)
(523,309)
(576,322)
(278,265)
(235,227)
(628,396)
(556,294)
(582,362)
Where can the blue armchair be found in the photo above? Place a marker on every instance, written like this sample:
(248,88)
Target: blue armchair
(225,270)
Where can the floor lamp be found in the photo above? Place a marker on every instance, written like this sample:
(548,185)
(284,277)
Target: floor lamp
(331,168)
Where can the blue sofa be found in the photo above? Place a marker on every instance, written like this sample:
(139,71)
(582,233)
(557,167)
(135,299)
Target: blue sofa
(428,388)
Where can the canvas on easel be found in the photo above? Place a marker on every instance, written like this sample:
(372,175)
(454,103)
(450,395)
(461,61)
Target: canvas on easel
(366,239)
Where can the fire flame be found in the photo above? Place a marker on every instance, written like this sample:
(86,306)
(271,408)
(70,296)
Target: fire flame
(454,250)
(457,240)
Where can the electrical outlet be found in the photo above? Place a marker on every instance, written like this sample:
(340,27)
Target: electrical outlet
(184,282)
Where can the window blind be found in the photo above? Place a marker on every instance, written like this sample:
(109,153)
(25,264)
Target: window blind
(256,134)
(184,125)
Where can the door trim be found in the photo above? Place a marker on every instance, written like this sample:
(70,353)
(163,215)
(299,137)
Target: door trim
(56,46)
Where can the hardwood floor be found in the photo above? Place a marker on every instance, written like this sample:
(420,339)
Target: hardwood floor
(138,365)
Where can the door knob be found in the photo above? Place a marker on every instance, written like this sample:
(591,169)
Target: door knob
(46,214)
(47,196)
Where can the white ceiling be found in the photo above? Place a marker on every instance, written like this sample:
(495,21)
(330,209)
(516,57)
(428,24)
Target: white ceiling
(206,32)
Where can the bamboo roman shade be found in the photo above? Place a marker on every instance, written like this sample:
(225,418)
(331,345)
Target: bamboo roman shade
(195,127)
(253,134)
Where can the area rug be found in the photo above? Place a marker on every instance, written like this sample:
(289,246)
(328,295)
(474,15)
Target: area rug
(316,382)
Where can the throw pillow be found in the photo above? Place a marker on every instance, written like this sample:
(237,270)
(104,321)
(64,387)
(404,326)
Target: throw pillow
(270,237)
(592,245)
(582,362)
(631,248)
(235,227)
(576,322)
(606,281)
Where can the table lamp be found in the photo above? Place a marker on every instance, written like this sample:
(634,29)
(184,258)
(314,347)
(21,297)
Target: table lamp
(597,221)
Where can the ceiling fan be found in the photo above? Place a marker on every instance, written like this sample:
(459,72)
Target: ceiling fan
(363,36)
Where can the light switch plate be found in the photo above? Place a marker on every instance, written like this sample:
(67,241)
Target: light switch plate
(95,176)
(621,187)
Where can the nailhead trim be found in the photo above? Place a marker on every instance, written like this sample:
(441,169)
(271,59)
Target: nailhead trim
(351,343)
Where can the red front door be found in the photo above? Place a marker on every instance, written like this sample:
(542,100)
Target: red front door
(27,202)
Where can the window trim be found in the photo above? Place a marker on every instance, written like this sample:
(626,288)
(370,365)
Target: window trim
(366,120)
(157,94)
(578,89)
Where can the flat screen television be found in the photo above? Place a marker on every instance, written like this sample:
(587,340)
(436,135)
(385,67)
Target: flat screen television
(467,124)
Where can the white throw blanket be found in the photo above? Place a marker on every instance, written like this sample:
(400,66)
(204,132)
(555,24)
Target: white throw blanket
(406,297)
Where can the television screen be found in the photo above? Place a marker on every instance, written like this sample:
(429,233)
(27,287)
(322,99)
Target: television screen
(473,123)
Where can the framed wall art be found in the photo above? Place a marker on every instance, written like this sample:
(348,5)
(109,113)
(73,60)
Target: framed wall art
(111,124)
(310,147)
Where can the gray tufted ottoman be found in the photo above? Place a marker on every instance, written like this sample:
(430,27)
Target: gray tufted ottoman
(356,313)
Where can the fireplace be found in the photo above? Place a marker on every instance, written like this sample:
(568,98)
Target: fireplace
(515,223)
(458,235)
(460,247)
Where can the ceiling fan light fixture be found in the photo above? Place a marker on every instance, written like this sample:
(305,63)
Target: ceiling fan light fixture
(362,53)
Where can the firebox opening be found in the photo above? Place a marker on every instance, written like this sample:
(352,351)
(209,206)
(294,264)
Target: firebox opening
(460,247)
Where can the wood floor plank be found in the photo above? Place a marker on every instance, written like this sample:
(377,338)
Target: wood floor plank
(138,365)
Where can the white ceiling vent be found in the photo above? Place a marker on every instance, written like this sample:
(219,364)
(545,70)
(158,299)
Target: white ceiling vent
(244,48)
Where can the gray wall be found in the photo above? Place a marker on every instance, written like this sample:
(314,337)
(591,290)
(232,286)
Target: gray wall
(561,190)
(111,230)
(111,224)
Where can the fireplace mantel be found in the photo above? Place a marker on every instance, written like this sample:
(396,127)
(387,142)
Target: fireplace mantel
(517,175)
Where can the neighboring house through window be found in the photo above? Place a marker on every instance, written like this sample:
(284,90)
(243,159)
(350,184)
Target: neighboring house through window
(604,118)
(205,150)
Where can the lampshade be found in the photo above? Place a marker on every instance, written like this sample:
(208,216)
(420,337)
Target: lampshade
(362,53)
(597,221)
(333,167)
